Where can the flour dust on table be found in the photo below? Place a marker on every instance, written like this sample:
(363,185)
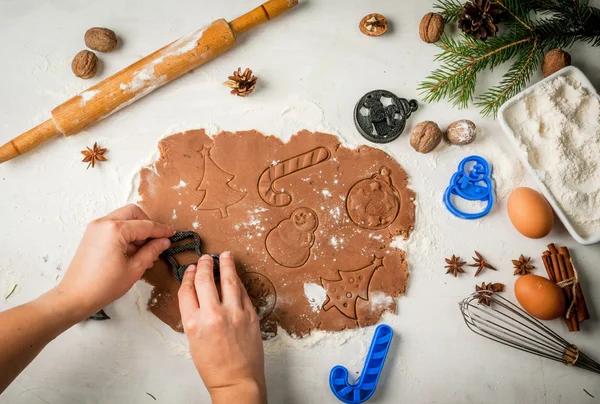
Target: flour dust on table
(309,222)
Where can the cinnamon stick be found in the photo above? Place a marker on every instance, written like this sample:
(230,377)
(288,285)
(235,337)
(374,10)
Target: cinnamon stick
(555,275)
(568,291)
(581,306)
(548,265)
(560,268)
(556,268)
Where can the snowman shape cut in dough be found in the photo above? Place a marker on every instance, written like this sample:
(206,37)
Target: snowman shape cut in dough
(290,242)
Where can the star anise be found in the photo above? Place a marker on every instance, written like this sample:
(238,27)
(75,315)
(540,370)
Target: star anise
(454,265)
(93,155)
(241,84)
(522,266)
(480,263)
(485,290)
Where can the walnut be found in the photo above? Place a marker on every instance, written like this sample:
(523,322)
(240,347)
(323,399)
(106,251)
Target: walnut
(373,25)
(555,60)
(425,137)
(85,64)
(461,132)
(100,39)
(431,27)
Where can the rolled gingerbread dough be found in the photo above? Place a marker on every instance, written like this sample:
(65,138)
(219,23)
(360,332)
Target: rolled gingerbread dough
(309,223)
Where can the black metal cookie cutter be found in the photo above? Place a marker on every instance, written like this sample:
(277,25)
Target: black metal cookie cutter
(178,270)
(379,123)
(100,316)
(196,245)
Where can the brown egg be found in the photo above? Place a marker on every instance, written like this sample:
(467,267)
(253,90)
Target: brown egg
(530,213)
(540,297)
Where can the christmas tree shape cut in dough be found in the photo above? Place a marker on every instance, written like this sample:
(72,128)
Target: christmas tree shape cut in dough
(218,194)
(344,292)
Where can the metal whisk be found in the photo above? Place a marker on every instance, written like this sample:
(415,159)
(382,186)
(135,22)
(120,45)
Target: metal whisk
(510,325)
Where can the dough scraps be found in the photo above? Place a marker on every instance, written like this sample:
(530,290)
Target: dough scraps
(309,223)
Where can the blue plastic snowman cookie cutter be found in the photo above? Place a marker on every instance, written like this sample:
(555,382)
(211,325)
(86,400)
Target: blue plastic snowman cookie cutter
(472,181)
(364,388)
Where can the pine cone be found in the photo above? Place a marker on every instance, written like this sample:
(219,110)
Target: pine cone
(479,19)
(241,84)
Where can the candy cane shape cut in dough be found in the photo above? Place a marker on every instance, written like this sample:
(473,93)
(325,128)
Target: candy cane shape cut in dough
(284,168)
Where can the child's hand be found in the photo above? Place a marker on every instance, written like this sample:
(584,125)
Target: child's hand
(224,333)
(114,253)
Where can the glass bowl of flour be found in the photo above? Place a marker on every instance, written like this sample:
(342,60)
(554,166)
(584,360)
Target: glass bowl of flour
(555,125)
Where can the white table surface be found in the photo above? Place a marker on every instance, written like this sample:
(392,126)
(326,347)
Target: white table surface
(313,64)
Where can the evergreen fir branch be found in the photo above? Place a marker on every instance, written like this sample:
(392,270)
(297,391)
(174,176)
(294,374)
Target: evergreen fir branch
(456,78)
(578,11)
(590,29)
(523,41)
(539,4)
(513,81)
(497,50)
(559,31)
(449,9)
(572,7)
(515,9)
(454,50)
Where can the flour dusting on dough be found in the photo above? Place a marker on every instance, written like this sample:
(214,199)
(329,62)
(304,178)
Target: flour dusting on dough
(316,295)
(379,301)
(182,184)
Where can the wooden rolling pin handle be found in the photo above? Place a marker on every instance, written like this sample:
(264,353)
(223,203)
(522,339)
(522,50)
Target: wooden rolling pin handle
(28,140)
(261,14)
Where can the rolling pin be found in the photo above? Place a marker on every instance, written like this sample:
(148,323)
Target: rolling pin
(142,77)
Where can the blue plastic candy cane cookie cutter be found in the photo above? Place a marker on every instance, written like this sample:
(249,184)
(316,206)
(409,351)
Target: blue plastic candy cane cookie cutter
(364,388)
(467,185)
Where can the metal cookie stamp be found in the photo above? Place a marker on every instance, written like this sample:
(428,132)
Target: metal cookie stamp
(381,123)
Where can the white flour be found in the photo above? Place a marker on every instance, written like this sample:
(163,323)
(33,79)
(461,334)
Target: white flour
(87,95)
(558,127)
(316,295)
(379,300)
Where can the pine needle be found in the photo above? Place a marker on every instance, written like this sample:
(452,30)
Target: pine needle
(11,292)
(151,396)
(449,9)
(513,81)
(524,40)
